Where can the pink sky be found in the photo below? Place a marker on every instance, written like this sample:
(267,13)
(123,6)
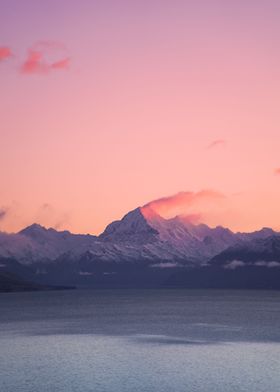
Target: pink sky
(107,105)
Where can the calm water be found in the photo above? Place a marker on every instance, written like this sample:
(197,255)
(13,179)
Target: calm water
(142,340)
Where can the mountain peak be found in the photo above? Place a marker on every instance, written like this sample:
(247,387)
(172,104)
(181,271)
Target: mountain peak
(267,230)
(133,227)
(33,229)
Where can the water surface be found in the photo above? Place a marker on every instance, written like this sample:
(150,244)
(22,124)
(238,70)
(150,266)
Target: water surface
(140,340)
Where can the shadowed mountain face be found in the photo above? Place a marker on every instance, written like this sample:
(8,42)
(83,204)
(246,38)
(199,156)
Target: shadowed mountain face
(142,245)
(258,252)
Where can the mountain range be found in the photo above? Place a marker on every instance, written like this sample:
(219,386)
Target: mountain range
(141,249)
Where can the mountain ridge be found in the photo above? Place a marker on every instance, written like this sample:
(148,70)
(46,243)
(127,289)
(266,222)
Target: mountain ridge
(142,249)
(140,234)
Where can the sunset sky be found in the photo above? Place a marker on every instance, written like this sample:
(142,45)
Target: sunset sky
(106,105)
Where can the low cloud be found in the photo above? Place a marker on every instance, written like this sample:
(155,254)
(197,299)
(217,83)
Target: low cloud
(239,263)
(217,143)
(235,264)
(268,264)
(166,265)
(5,53)
(85,273)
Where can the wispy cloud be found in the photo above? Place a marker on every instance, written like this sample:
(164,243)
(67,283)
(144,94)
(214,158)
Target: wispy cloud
(217,143)
(5,53)
(34,63)
(48,215)
(3,213)
(61,64)
(44,57)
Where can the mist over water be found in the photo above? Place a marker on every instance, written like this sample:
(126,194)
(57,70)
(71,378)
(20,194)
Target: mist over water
(140,340)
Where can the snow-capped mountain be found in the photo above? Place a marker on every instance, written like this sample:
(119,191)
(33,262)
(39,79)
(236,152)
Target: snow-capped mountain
(36,243)
(141,235)
(144,235)
(143,250)
(132,228)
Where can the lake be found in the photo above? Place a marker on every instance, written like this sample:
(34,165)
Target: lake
(140,340)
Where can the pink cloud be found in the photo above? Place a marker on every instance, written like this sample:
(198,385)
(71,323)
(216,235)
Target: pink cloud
(34,63)
(217,143)
(277,171)
(5,53)
(37,58)
(61,64)
(180,202)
